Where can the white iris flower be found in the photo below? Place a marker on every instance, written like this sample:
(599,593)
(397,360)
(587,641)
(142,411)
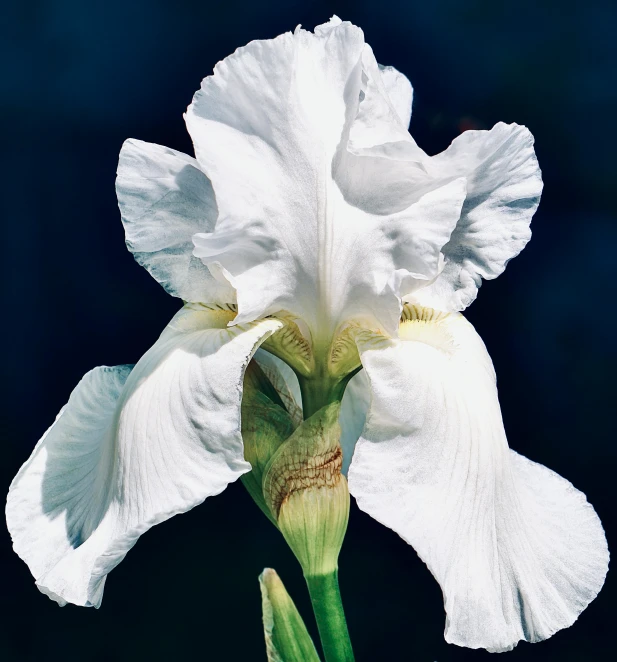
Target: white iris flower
(311,223)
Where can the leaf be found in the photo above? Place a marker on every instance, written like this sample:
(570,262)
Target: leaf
(287,639)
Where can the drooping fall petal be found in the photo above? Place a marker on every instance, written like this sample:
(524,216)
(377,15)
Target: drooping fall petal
(131,449)
(517,550)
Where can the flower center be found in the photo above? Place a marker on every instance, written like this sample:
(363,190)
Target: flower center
(323,366)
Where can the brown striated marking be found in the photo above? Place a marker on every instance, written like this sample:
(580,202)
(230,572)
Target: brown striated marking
(223,307)
(412,312)
(323,470)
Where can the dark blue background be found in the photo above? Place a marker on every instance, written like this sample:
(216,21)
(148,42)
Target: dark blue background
(80,77)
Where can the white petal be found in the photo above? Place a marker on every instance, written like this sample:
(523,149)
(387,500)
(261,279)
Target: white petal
(164,200)
(503,193)
(266,127)
(325,28)
(132,449)
(352,418)
(517,550)
(399,91)
(381,259)
(382,169)
(377,127)
(269,128)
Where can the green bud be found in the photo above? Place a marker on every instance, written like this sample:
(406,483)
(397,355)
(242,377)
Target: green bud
(266,424)
(307,494)
(287,639)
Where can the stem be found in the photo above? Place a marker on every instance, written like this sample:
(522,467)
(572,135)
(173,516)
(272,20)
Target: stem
(320,390)
(318,393)
(330,617)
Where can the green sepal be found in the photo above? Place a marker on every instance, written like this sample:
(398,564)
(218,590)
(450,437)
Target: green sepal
(305,491)
(287,639)
(266,424)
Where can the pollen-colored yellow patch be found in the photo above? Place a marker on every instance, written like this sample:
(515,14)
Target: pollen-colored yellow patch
(198,316)
(431,327)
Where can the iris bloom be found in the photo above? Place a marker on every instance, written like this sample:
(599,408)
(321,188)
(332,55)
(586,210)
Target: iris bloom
(311,231)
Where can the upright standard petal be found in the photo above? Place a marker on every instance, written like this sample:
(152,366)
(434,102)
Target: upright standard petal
(504,184)
(130,450)
(379,127)
(270,129)
(517,550)
(164,199)
(399,91)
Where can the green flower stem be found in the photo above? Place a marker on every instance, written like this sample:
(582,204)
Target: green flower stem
(319,393)
(328,608)
(320,390)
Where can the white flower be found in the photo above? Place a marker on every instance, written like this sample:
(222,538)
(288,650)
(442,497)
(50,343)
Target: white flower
(311,212)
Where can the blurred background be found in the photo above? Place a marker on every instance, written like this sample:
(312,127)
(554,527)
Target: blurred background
(79,78)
